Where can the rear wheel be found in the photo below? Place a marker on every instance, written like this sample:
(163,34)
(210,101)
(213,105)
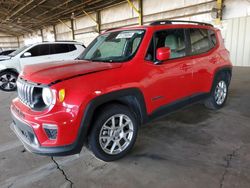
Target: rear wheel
(219,93)
(114,133)
(8,81)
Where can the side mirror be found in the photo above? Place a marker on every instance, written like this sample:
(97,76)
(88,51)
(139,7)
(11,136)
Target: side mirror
(27,54)
(163,54)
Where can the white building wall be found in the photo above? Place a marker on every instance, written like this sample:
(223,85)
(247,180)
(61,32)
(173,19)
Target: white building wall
(48,34)
(8,42)
(63,31)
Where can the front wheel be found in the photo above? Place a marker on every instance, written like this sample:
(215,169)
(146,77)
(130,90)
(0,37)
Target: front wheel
(8,81)
(219,93)
(114,133)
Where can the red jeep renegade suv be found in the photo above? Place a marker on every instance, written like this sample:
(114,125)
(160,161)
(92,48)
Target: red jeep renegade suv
(125,78)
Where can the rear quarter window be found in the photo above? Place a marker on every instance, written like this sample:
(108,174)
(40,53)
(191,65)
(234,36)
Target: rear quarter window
(200,42)
(213,38)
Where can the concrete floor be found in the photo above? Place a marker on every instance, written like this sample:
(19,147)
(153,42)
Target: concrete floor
(193,147)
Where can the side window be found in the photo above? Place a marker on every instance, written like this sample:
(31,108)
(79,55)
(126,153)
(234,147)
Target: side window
(44,49)
(200,42)
(174,39)
(150,53)
(71,47)
(59,48)
(213,38)
(35,51)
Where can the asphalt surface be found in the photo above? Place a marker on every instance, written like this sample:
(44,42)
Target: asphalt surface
(193,147)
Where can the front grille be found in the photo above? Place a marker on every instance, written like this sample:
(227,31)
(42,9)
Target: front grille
(25,92)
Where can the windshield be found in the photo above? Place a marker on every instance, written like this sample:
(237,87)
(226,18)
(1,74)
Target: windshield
(19,50)
(117,46)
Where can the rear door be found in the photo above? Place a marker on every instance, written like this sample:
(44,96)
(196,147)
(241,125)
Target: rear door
(201,50)
(61,52)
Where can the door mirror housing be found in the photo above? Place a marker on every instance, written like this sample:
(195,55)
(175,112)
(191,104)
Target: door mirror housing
(27,54)
(163,54)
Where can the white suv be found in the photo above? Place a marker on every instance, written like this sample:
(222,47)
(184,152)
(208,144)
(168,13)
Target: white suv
(11,65)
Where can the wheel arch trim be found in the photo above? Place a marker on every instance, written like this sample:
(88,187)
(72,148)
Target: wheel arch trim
(120,95)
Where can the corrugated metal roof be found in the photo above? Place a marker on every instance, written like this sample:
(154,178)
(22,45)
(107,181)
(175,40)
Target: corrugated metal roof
(20,17)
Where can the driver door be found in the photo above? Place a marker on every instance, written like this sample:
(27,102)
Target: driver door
(172,77)
(39,54)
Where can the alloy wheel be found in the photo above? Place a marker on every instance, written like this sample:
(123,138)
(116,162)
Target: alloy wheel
(220,92)
(116,134)
(8,82)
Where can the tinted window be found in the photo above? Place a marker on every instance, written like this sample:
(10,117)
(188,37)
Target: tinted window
(39,50)
(71,47)
(35,51)
(199,41)
(174,39)
(213,38)
(61,48)
(44,49)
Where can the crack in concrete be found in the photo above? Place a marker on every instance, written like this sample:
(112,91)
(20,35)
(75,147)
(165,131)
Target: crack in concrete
(63,173)
(228,158)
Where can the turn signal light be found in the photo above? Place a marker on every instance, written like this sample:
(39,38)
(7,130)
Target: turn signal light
(61,95)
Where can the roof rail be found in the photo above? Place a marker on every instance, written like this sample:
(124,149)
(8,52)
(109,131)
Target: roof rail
(165,22)
(61,41)
(65,41)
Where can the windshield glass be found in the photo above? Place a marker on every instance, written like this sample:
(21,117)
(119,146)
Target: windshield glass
(19,50)
(117,46)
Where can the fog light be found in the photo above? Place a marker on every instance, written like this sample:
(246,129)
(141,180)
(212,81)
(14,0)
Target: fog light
(50,130)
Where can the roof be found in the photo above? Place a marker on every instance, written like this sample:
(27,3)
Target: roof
(25,16)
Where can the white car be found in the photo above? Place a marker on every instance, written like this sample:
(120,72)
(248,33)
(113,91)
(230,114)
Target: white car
(11,65)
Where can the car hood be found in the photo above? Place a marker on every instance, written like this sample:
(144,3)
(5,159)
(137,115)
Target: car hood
(53,72)
(4,57)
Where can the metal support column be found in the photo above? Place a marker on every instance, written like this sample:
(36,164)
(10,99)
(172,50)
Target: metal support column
(18,41)
(72,28)
(54,31)
(41,30)
(139,12)
(219,11)
(97,20)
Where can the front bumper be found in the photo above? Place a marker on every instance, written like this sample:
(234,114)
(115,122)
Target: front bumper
(27,136)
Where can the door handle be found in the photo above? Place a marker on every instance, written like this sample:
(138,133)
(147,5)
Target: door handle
(213,60)
(186,66)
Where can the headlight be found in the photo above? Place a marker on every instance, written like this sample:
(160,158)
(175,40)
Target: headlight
(47,96)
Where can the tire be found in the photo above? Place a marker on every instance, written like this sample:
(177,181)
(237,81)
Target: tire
(8,81)
(219,93)
(109,140)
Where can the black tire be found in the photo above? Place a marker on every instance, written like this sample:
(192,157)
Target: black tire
(103,117)
(8,81)
(211,102)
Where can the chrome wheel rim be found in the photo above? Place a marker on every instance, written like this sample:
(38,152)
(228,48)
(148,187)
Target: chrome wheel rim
(220,92)
(8,81)
(116,134)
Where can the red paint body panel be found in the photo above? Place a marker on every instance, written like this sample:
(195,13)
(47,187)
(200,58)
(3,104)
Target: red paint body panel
(168,82)
(49,72)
